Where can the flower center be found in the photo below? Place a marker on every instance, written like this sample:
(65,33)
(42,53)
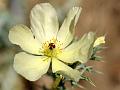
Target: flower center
(51,48)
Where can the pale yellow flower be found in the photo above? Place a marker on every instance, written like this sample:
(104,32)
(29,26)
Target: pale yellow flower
(46,43)
(99,40)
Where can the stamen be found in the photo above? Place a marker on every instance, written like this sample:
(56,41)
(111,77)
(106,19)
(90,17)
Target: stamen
(52,47)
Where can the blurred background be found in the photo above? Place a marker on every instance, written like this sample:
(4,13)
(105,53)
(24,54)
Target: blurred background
(100,16)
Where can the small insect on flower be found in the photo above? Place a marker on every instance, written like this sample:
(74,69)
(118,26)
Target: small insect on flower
(46,43)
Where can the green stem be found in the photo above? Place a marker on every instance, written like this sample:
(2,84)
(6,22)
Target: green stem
(56,83)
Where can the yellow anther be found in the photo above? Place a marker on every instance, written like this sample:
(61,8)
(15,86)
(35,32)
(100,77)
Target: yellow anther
(52,47)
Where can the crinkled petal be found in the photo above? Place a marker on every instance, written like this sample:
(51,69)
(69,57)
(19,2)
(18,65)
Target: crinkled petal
(65,34)
(86,47)
(31,67)
(79,50)
(44,21)
(22,36)
(68,72)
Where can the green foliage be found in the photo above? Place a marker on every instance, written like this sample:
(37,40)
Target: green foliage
(87,79)
(94,55)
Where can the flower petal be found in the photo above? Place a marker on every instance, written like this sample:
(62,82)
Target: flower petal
(22,36)
(70,54)
(31,67)
(65,34)
(44,21)
(86,47)
(59,67)
(99,40)
(79,50)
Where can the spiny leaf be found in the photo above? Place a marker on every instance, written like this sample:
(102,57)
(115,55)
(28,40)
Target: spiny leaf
(96,58)
(98,72)
(97,48)
(78,85)
(88,79)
